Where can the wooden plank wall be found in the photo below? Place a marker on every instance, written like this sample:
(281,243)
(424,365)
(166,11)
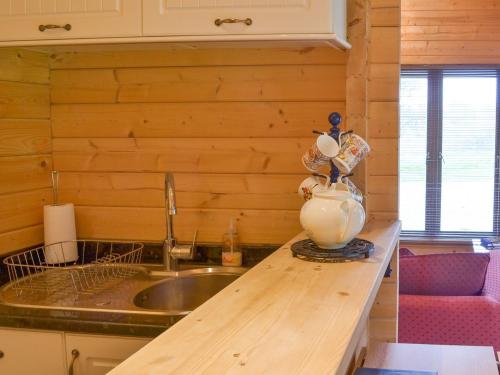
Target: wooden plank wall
(230,123)
(383,136)
(373,99)
(383,109)
(383,323)
(450,32)
(25,147)
(372,109)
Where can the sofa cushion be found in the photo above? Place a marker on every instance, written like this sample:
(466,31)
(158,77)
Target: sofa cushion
(458,274)
(464,320)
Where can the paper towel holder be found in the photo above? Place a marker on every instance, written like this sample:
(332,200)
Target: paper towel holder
(55,187)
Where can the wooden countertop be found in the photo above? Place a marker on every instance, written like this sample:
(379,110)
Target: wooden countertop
(284,316)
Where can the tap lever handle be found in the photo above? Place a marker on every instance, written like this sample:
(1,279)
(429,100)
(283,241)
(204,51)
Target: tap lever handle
(184,251)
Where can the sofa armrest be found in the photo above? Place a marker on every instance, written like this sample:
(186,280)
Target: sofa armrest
(405,252)
(458,274)
(492,282)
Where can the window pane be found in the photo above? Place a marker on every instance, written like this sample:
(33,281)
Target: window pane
(413,151)
(469,153)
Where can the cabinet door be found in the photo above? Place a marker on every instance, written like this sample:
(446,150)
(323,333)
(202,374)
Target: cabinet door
(198,17)
(31,352)
(22,19)
(100,354)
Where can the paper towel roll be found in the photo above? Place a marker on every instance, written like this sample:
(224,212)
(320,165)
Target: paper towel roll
(59,226)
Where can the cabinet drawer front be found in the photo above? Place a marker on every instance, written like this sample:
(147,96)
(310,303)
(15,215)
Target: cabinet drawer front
(30,352)
(198,17)
(48,19)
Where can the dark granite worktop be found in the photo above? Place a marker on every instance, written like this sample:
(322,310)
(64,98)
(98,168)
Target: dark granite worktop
(85,321)
(111,323)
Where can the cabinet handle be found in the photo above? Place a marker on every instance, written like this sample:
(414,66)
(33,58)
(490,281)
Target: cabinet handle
(2,354)
(74,355)
(246,21)
(66,27)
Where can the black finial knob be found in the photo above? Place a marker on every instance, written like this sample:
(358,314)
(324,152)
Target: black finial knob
(335,118)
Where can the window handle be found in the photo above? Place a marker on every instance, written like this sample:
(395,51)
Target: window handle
(441,157)
(429,159)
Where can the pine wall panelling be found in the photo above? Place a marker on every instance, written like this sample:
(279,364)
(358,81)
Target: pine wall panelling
(450,32)
(373,100)
(357,78)
(230,123)
(383,109)
(383,132)
(372,110)
(25,147)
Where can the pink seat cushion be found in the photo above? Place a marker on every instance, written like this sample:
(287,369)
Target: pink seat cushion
(459,274)
(449,320)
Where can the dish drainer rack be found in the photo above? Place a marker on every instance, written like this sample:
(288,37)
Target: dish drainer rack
(99,263)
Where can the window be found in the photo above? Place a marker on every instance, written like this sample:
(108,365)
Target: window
(449,146)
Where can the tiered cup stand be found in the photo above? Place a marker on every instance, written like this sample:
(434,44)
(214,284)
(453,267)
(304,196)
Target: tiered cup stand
(357,248)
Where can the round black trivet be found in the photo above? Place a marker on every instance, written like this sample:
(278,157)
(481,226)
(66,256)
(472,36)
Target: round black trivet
(356,249)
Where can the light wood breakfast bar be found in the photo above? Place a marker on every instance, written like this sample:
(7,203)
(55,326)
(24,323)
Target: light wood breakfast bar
(285,316)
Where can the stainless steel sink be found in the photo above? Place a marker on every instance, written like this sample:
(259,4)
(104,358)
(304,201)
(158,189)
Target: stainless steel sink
(150,292)
(185,292)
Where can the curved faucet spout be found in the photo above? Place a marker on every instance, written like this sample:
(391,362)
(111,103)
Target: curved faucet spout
(170,204)
(170,211)
(172,252)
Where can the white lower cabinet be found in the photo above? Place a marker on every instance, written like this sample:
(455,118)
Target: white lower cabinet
(32,352)
(27,352)
(97,355)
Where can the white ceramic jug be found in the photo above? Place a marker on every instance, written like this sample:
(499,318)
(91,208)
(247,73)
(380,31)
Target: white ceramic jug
(332,218)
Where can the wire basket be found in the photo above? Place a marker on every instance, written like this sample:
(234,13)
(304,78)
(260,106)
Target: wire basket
(99,263)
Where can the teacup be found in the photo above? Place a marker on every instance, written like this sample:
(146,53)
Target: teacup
(313,184)
(348,185)
(320,153)
(343,136)
(353,150)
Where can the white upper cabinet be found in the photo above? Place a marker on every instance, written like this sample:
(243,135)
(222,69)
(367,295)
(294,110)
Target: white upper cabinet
(51,22)
(244,17)
(69,19)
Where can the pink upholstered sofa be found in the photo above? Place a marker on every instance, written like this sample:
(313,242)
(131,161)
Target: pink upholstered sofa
(450,299)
